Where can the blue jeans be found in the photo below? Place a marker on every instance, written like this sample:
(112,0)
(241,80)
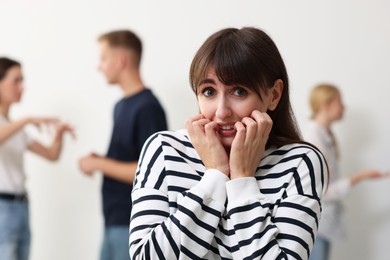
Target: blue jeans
(321,249)
(115,243)
(14,230)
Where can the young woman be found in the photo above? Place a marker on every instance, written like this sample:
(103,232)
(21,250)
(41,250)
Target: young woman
(238,183)
(327,107)
(14,141)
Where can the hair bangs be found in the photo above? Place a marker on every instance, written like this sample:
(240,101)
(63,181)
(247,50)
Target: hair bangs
(236,63)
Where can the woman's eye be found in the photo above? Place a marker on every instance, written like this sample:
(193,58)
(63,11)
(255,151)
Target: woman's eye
(208,92)
(239,91)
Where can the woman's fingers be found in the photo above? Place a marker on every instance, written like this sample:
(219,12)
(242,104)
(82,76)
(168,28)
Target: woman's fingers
(249,144)
(204,138)
(66,128)
(240,137)
(195,124)
(190,120)
(258,126)
(251,127)
(264,123)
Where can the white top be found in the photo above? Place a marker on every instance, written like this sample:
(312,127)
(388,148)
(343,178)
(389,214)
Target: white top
(183,211)
(332,224)
(12,174)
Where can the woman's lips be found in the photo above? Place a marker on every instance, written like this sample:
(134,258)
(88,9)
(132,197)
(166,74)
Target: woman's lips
(226,130)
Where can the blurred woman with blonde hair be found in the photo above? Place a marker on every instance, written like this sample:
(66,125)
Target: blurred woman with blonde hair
(327,107)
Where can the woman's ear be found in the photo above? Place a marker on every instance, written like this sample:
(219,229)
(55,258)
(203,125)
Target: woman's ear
(275,94)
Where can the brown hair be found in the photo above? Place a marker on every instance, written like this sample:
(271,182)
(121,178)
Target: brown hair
(5,65)
(249,57)
(124,39)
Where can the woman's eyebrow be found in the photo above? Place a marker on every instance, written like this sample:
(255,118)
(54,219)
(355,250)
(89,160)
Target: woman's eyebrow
(207,81)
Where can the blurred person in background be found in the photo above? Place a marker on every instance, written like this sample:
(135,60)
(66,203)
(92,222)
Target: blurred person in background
(137,115)
(327,108)
(14,141)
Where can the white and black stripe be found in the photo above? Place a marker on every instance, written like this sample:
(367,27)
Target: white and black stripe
(182,211)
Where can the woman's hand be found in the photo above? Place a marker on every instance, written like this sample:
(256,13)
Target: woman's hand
(40,122)
(52,123)
(249,144)
(368,174)
(63,128)
(51,152)
(205,140)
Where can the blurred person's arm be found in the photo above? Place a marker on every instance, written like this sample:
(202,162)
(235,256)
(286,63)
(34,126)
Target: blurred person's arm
(11,128)
(121,171)
(53,151)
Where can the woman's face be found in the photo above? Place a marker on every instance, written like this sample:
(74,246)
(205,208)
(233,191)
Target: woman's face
(226,105)
(336,108)
(11,86)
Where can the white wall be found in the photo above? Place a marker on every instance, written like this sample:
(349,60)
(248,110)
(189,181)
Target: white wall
(344,42)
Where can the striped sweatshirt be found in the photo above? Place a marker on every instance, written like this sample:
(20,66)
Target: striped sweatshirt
(183,211)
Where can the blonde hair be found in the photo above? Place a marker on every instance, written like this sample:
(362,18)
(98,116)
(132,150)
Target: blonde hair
(320,95)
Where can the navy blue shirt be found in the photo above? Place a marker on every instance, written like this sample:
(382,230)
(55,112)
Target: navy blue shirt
(135,119)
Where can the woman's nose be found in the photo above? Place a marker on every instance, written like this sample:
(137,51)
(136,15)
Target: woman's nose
(223,108)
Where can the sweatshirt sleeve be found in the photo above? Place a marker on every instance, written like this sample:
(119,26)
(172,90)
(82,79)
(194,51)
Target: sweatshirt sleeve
(285,230)
(159,229)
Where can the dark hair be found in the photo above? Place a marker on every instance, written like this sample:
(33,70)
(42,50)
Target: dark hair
(5,65)
(249,57)
(124,39)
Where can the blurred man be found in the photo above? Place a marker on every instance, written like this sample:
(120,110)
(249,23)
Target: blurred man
(136,116)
